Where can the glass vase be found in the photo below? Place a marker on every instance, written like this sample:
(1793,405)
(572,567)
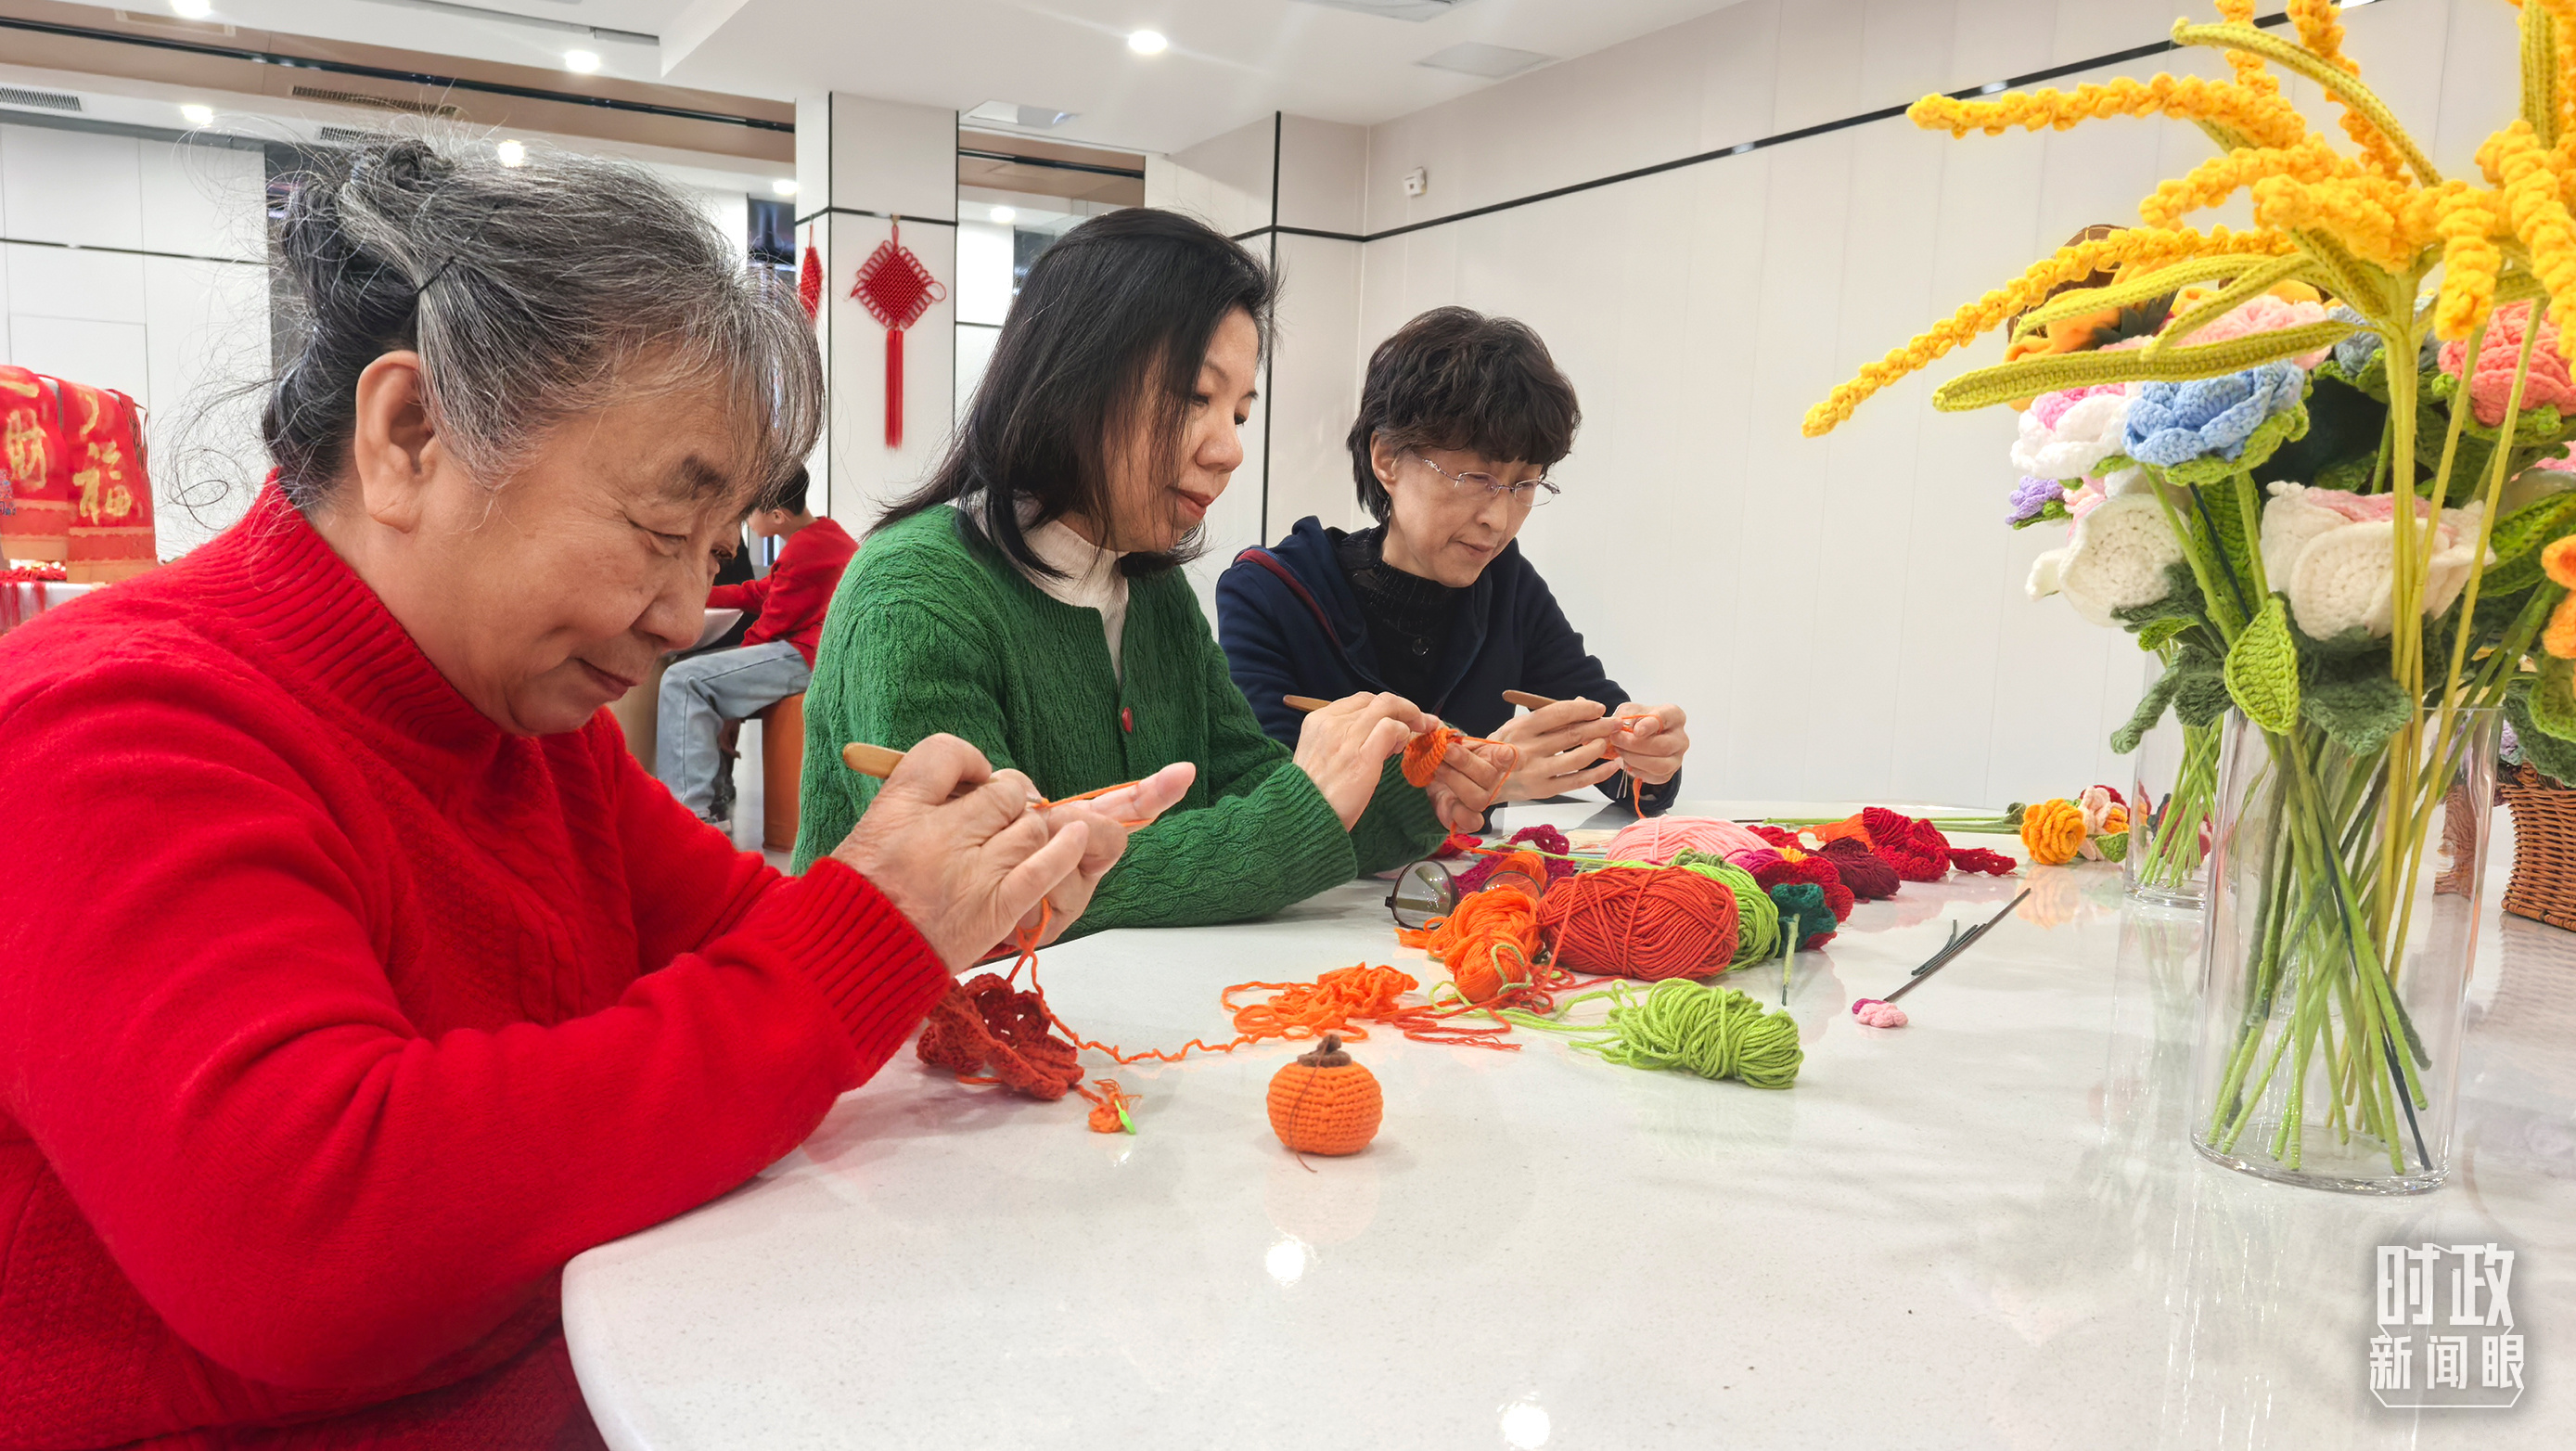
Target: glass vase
(2173,786)
(2344,890)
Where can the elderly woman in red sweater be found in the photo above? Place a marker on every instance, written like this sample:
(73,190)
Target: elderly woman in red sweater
(353,975)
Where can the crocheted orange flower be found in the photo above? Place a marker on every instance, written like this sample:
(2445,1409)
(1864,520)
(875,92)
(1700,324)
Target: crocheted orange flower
(2559,562)
(2053,832)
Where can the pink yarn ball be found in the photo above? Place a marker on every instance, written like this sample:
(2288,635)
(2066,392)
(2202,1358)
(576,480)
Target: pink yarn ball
(1875,1014)
(1658,840)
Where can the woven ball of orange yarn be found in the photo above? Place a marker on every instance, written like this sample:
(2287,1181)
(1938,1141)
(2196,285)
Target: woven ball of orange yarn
(1487,941)
(1323,1103)
(1641,922)
(2053,831)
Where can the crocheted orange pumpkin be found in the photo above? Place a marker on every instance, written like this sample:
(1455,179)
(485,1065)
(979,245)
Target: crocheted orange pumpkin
(1324,1103)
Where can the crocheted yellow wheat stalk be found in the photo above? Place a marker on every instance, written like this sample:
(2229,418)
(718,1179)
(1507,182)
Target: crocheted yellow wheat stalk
(2367,227)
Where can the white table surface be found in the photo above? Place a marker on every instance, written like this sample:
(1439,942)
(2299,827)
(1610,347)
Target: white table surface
(1983,1230)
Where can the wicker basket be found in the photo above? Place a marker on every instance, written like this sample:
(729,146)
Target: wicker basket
(2544,848)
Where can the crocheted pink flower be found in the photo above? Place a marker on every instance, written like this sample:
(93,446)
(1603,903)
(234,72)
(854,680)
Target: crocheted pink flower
(2546,385)
(2050,407)
(2265,314)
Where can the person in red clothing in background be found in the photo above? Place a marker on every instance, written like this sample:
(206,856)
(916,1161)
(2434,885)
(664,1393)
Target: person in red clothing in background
(371,978)
(776,658)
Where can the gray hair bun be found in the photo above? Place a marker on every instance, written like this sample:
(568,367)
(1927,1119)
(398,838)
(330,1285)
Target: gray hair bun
(530,293)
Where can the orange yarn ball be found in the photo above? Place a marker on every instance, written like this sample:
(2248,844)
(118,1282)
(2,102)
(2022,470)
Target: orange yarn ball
(1642,922)
(1487,941)
(1523,871)
(1323,1103)
(2053,832)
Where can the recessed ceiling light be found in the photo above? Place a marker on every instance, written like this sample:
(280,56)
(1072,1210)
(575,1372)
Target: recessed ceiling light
(784,186)
(581,62)
(198,115)
(513,153)
(1005,215)
(1148,42)
(192,9)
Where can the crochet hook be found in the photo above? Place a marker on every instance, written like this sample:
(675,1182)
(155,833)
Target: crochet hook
(1949,953)
(880,762)
(1306,703)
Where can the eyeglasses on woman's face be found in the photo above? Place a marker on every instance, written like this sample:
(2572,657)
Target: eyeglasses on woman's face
(1527,494)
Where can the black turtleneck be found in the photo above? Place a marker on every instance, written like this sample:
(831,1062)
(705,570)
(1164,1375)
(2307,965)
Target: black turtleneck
(1408,617)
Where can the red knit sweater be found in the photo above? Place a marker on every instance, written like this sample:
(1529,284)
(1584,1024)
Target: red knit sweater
(333,1020)
(797,592)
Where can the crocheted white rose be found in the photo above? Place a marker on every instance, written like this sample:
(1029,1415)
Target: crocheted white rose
(2116,560)
(2064,434)
(2334,554)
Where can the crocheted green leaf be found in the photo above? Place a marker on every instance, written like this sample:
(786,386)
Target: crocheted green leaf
(2151,708)
(2160,633)
(2361,707)
(2053,511)
(2371,380)
(2352,475)
(2267,437)
(2202,698)
(2343,645)
(2546,753)
(2263,670)
(2113,845)
(2520,536)
(2553,698)
(2181,602)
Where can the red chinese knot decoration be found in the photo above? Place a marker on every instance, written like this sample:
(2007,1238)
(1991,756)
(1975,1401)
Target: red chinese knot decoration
(896,290)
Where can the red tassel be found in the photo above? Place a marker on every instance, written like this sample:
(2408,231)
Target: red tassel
(809,278)
(894,387)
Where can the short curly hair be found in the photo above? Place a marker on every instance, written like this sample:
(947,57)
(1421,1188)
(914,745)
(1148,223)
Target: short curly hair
(1455,378)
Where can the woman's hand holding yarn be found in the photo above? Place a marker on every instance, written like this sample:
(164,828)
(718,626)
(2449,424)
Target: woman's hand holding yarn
(1652,749)
(1564,747)
(1470,775)
(1106,820)
(965,869)
(1343,747)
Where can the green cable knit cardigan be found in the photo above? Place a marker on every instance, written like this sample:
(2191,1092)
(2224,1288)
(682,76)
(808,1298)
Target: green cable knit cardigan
(933,631)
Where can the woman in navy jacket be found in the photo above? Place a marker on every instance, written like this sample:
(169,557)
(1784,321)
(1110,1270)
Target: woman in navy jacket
(1461,417)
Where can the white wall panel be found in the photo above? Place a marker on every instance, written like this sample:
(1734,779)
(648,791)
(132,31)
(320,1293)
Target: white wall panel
(71,282)
(208,201)
(101,354)
(1314,385)
(1843,617)
(206,354)
(71,186)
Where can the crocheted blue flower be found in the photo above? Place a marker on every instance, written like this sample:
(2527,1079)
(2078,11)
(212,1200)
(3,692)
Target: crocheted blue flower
(2171,423)
(2355,352)
(2031,498)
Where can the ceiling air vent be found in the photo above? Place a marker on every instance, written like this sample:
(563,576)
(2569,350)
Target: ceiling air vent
(348,136)
(1395,9)
(375,103)
(1011,113)
(1475,58)
(43,100)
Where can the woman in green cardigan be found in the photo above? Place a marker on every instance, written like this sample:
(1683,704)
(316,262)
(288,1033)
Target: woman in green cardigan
(1029,598)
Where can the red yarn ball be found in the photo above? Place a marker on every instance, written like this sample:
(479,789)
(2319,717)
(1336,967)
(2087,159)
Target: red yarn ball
(1864,871)
(1641,922)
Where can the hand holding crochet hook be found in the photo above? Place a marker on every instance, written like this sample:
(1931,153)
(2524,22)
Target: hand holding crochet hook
(1558,737)
(970,853)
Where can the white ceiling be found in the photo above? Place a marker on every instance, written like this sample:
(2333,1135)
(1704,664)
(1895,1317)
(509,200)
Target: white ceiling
(1230,61)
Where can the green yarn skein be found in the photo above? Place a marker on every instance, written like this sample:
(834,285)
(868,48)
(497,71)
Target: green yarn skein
(1757,919)
(1715,1032)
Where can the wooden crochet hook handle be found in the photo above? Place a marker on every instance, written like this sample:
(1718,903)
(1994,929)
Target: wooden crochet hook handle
(879,762)
(1306,703)
(1540,702)
(870,760)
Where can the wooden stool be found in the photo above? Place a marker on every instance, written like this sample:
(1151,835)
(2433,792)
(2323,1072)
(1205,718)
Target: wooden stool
(782,770)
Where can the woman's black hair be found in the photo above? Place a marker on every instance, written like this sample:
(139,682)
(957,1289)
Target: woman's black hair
(1112,324)
(1455,378)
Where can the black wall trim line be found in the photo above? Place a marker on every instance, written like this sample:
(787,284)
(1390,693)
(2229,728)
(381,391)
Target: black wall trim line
(1803,133)
(131,251)
(1050,163)
(880,216)
(381,73)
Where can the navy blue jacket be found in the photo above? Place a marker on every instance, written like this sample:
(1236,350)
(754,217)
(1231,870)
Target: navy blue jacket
(1291,625)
